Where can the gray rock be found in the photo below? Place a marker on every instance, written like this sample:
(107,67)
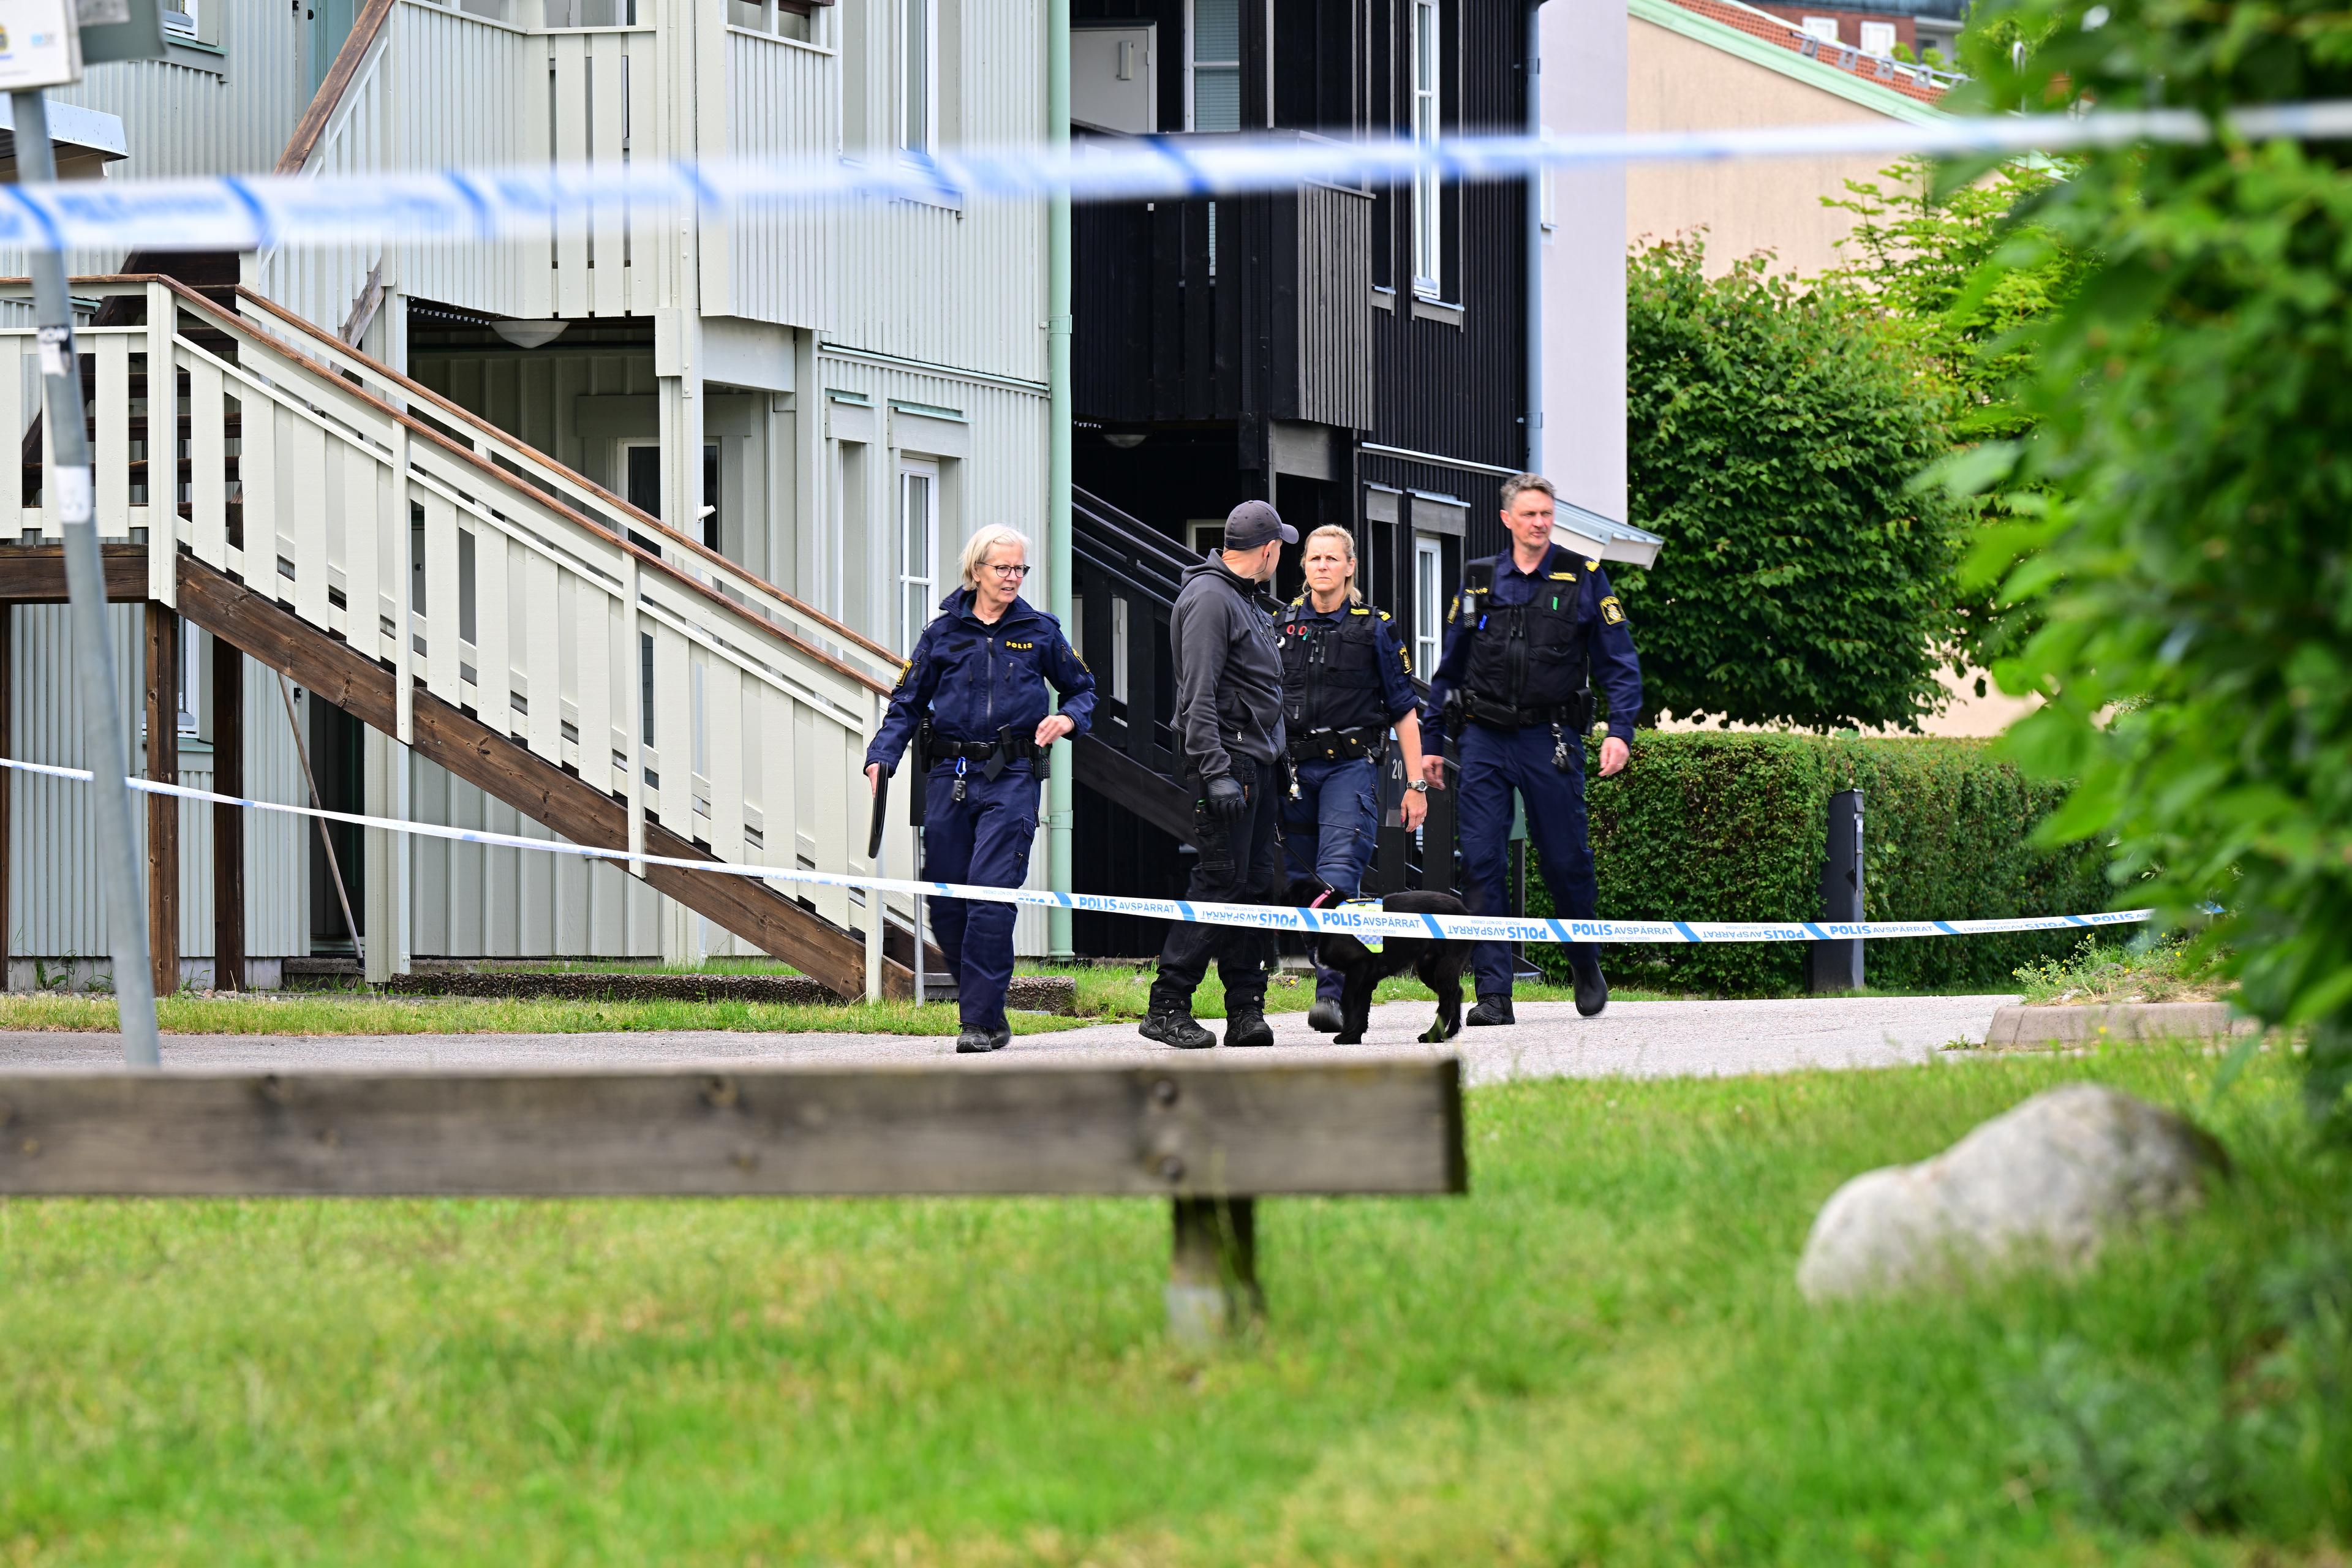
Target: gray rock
(2047,1180)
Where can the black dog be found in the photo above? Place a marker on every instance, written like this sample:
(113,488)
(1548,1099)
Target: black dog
(1439,965)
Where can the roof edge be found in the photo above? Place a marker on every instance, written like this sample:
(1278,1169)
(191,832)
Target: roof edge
(1787,62)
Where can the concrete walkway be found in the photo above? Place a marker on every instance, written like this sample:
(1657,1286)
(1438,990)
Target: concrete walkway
(1638,1040)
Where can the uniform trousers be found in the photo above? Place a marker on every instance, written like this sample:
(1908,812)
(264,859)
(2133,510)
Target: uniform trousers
(1489,763)
(1328,828)
(1239,864)
(984,838)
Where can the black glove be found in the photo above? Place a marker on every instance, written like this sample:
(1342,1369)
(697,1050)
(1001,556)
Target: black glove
(1225,799)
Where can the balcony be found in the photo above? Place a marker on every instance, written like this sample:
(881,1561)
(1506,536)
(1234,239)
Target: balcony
(1251,307)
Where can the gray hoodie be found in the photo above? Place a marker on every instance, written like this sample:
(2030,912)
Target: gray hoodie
(1228,671)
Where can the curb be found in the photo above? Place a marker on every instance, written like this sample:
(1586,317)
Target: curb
(2068,1026)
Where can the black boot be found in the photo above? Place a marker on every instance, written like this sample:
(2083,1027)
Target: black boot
(1325,1018)
(1178,1029)
(1490,1010)
(974,1041)
(1248,1029)
(1591,988)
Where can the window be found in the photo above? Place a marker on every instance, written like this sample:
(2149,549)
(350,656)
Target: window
(918,76)
(1878,38)
(1213,65)
(1825,28)
(919,544)
(1428,60)
(1428,603)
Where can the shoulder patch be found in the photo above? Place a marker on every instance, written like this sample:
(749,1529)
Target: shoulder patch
(905,668)
(1453,610)
(1386,616)
(1612,612)
(1591,565)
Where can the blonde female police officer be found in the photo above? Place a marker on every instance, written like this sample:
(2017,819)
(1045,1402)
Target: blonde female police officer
(979,675)
(1346,681)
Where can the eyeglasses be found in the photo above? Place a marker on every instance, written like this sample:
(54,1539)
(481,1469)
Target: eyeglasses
(1009,574)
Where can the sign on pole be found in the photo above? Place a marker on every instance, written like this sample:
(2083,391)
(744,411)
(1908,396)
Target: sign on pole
(38,45)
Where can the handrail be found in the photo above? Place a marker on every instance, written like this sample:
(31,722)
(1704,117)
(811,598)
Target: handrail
(365,26)
(636,519)
(240,326)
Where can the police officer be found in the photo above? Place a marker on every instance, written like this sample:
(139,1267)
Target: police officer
(1229,725)
(1346,681)
(976,690)
(1525,635)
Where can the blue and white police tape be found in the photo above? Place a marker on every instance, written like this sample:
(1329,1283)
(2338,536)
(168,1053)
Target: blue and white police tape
(1355,919)
(529,202)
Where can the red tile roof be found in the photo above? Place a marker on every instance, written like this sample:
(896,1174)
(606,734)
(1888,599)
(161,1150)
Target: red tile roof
(1873,68)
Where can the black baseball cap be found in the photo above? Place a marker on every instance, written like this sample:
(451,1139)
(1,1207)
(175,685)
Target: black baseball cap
(1251,524)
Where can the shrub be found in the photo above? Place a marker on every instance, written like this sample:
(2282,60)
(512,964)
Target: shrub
(1716,826)
(1773,431)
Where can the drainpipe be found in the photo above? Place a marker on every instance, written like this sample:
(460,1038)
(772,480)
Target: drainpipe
(1534,323)
(1062,788)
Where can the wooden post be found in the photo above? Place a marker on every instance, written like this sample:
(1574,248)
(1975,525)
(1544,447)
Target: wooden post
(7,775)
(229,821)
(164,811)
(1212,1289)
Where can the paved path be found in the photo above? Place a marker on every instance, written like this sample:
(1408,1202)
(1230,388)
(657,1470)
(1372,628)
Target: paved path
(1640,1039)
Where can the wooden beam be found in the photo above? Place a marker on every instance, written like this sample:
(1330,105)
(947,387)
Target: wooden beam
(229,821)
(164,811)
(508,771)
(1186,1129)
(35,574)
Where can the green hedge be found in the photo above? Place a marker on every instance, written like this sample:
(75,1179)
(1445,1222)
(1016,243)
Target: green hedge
(1732,827)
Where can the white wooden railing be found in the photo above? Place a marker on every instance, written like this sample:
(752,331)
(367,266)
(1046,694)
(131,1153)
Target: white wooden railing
(483,573)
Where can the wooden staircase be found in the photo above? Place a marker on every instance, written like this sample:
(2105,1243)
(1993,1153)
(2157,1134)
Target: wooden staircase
(465,594)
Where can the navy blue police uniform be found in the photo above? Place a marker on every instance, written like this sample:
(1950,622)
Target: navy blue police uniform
(1345,678)
(983,690)
(1523,650)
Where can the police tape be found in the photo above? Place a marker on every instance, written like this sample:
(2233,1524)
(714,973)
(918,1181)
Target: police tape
(1351,919)
(529,202)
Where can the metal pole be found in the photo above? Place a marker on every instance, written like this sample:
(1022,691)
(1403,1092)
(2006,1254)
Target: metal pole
(1061,789)
(68,482)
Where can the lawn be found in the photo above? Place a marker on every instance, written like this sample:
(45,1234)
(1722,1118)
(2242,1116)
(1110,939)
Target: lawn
(1596,1357)
(1104,996)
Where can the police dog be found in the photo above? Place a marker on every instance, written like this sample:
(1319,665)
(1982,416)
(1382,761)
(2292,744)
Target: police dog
(1439,965)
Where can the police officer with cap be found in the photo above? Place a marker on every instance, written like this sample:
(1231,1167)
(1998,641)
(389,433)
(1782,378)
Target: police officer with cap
(1346,681)
(975,690)
(1229,725)
(1525,638)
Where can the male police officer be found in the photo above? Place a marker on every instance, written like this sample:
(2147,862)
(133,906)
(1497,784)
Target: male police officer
(1229,724)
(1525,635)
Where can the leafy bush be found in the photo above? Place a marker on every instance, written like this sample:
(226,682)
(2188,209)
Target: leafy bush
(1715,827)
(1772,429)
(2187,551)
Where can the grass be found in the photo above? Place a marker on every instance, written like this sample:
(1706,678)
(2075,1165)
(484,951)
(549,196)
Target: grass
(2143,970)
(1596,1358)
(1104,994)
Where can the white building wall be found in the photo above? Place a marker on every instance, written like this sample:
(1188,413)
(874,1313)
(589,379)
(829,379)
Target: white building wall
(56,912)
(1584,92)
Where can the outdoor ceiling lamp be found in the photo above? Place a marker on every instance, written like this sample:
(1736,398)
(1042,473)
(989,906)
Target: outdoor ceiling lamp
(529,334)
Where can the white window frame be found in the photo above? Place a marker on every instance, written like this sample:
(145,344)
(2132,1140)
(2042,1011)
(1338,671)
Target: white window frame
(916,543)
(1192,62)
(1428,603)
(1825,28)
(1428,69)
(918,44)
(1878,38)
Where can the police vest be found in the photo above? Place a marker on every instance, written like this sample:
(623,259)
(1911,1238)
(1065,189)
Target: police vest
(1331,672)
(1528,657)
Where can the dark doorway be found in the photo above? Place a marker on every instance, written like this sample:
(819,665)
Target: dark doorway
(338,749)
